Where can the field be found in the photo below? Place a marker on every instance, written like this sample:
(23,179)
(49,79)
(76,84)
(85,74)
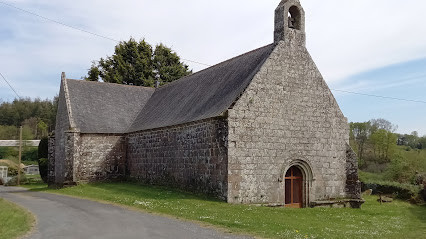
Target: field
(14,221)
(394,220)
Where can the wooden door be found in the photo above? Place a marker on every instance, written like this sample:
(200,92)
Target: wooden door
(294,188)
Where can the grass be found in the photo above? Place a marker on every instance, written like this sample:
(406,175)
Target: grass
(395,220)
(14,221)
(30,162)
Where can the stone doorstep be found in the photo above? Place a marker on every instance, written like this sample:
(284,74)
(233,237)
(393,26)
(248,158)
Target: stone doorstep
(352,203)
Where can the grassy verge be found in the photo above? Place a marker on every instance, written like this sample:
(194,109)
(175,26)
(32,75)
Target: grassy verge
(396,220)
(14,221)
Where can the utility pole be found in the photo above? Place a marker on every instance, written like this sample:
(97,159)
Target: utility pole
(20,155)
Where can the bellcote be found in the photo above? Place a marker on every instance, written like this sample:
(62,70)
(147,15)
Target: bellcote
(289,22)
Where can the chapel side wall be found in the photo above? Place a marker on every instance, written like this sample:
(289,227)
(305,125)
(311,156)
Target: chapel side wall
(101,157)
(191,156)
(286,114)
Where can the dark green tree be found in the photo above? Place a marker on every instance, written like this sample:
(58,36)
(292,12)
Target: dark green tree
(42,158)
(167,65)
(136,63)
(37,116)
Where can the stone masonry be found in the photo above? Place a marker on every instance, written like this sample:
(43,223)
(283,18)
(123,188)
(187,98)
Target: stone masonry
(283,117)
(100,157)
(191,156)
(62,125)
(51,160)
(232,130)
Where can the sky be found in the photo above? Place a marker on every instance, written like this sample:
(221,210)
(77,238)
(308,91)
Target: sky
(367,47)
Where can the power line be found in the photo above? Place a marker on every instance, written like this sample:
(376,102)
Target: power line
(57,22)
(380,96)
(200,63)
(11,87)
(79,29)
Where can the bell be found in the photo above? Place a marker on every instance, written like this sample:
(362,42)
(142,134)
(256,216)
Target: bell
(290,22)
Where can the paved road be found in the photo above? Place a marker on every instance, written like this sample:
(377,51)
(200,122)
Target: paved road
(65,217)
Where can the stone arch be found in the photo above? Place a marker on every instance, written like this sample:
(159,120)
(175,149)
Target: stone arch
(286,27)
(308,178)
(294,18)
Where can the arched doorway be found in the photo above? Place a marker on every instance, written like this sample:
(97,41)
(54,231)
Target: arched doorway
(294,187)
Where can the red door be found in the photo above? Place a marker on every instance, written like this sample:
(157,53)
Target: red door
(294,188)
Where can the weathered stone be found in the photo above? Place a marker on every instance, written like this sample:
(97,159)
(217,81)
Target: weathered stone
(367,192)
(191,156)
(384,199)
(236,142)
(51,160)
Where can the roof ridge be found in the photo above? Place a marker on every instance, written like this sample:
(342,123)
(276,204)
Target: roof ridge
(112,84)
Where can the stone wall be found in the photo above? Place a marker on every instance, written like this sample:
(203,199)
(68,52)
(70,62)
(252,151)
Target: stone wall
(100,157)
(71,141)
(51,160)
(62,125)
(286,115)
(353,185)
(192,156)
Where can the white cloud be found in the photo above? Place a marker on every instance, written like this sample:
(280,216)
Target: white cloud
(344,37)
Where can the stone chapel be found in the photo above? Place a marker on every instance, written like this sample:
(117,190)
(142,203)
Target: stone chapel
(260,128)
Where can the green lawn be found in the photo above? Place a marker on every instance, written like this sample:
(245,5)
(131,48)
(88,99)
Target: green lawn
(14,221)
(396,220)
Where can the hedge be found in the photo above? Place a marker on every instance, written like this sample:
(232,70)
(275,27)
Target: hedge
(398,190)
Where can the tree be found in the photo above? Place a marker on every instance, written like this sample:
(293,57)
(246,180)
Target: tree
(42,129)
(384,143)
(136,63)
(377,124)
(38,115)
(422,142)
(360,132)
(43,152)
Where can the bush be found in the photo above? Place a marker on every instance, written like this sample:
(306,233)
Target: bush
(423,193)
(43,148)
(12,168)
(30,154)
(42,165)
(7,152)
(398,190)
(14,181)
(400,170)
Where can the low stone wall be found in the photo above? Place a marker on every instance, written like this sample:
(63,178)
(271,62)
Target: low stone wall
(100,157)
(192,156)
(349,203)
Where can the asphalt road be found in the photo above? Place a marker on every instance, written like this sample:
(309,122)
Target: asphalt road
(66,217)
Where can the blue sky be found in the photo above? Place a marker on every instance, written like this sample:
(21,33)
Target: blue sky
(371,47)
(405,80)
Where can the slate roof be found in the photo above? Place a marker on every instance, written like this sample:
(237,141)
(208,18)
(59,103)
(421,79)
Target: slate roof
(202,95)
(98,107)
(112,108)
